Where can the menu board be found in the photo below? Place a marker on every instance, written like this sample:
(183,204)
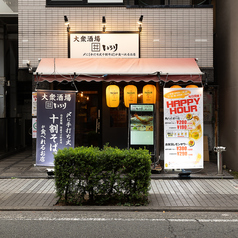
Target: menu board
(183,128)
(141,124)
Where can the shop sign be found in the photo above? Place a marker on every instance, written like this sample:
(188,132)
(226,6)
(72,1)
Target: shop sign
(130,95)
(34,103)
(149,94)
(183,128)
(103,45)
(55,124)
(34,127)
(113,96)
(141,124)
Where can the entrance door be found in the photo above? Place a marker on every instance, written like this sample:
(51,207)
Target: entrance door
(87,119)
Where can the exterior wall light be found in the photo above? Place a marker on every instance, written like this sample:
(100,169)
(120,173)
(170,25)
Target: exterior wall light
(104,24)
(140,23)
(66,22)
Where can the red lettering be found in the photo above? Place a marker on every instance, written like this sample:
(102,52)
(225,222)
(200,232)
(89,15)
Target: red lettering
(173,110)
(180,110)
(188,109)
(183,102)
(196,100)
(194,108)
(189,101)
(177,102)
(170,104)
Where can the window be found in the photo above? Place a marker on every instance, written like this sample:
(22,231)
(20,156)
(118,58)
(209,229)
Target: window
(131,3)
(82,2)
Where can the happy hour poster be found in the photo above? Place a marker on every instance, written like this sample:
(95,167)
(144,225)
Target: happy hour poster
(183,128)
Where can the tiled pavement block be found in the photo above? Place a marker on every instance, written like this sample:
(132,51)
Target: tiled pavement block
(195,193)
(177,196)
(27,192)
(30,200)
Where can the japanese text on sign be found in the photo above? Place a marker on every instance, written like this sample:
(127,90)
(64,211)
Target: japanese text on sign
(113,45)
(56,119)
(183,128)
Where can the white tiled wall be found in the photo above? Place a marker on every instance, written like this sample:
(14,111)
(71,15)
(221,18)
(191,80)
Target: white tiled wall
(166,33)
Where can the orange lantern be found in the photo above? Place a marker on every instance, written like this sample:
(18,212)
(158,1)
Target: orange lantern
(149,94)
(112,96)
(130,95)
(192,86)
(175,86)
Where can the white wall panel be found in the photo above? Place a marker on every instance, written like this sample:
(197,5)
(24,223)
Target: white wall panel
(167,32)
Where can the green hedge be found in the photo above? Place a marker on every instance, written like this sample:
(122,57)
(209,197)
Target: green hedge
(88,175)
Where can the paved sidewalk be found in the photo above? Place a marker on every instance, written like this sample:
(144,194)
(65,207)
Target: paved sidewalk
(21,165)
(26,187)
(165,195)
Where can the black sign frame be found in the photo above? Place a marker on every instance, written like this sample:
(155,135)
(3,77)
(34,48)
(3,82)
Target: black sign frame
(142,115)
(55,124)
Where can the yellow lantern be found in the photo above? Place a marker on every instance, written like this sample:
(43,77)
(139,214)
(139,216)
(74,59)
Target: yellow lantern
(130,95)
(112,96)
(192,86)
(149,94)
(175,86)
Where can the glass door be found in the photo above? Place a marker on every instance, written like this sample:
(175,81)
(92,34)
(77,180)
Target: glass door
(87,119)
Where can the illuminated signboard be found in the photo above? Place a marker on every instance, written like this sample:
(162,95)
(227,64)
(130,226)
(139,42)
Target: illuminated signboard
(183,128)
(141,124)
(103,45)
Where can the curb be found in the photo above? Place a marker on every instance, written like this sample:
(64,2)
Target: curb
(122,209)
(193,177)
(155,177)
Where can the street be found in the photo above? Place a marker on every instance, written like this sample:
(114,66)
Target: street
(117,224)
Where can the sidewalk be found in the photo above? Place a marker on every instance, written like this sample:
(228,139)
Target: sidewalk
(164,195)
(21,165)
(37,192)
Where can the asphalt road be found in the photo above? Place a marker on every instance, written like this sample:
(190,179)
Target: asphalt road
(123,224)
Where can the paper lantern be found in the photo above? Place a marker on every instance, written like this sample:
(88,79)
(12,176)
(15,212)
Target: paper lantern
(175,86)
(130,95)
(192,86)
(149,94)
(112,96)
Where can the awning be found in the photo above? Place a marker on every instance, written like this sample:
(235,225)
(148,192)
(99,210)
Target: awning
(141,69)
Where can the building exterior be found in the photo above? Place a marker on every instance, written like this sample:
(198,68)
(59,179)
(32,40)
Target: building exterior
(14,102)
(170,29)
(226,73)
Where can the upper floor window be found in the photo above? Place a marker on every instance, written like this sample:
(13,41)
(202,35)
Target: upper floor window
(81,2)
(140,3)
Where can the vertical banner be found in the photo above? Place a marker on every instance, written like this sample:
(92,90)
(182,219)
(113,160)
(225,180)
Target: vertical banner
(34,127)
(183,128)
(55,124)
(34,104)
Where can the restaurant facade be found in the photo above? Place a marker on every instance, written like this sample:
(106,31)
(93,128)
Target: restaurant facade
(106,79)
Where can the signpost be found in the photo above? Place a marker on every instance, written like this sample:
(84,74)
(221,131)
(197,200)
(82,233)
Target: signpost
(34,104)
(183,128)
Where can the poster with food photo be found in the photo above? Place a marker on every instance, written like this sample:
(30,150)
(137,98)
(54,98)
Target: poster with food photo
(141,124)
(183,128)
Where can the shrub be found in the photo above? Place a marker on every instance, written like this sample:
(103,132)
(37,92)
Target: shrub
(88,175)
